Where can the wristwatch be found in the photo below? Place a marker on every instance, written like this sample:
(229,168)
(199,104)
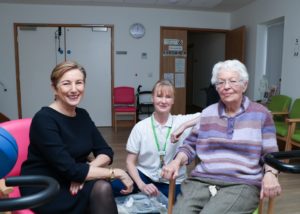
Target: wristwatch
(271,171)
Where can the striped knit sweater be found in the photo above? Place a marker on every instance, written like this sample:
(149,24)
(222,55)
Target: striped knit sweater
(230,148)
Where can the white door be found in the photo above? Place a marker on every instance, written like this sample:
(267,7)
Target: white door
(37,59)
(92,49)
(38,54)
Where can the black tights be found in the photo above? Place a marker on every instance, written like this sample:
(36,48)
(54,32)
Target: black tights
(102,199)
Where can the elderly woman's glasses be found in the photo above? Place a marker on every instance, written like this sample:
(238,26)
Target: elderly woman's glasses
(231,83)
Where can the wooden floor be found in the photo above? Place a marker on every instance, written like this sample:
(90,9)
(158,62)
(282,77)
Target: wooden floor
(287,203)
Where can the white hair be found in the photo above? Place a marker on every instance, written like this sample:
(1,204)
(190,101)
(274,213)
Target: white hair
(230,65)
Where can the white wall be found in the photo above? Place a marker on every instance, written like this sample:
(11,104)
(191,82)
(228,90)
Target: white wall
(260,12)
(126,66)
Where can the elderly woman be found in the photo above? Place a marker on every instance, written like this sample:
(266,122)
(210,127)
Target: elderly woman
(230,140)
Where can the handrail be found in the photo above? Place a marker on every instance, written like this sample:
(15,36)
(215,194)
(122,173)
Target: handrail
(37,199)
(273,158)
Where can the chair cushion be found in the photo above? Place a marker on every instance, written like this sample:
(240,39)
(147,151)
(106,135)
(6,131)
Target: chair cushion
(296,136)
(295,111)
(123,95)
(279,103)
(281,128)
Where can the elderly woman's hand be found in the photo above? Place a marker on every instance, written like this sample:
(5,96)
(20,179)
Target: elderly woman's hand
(171,170)
(270,186)
(176,134)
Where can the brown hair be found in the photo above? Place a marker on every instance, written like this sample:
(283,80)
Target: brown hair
(63,67)
(164,86)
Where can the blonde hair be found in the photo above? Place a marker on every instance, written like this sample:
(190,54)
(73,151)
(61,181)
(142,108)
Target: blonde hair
(164,87)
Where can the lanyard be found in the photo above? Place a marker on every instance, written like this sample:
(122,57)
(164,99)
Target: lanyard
(155,136)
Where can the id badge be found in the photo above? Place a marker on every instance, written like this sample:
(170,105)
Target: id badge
(161,162)
(161,158)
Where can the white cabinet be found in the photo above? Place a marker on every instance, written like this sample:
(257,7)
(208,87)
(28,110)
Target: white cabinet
(40,49)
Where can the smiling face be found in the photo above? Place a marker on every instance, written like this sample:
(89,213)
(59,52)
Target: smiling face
(69,89)
(230,87)
(163,98)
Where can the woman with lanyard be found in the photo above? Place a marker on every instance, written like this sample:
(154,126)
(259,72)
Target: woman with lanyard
(149,146)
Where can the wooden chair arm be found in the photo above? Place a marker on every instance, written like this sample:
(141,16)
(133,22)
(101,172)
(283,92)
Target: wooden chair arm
(291,130)
(280,113)
(292,120)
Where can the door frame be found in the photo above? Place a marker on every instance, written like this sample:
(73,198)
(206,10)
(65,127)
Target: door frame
(200,30)
(34,25)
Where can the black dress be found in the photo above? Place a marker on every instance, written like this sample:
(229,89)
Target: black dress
(59,147)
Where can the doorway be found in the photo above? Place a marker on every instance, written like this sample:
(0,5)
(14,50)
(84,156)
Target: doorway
(269,58)
(40,47)
(274,54)
(204,50)
(187,56)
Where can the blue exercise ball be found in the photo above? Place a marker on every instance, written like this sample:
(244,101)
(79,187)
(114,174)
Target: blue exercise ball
(8,152)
